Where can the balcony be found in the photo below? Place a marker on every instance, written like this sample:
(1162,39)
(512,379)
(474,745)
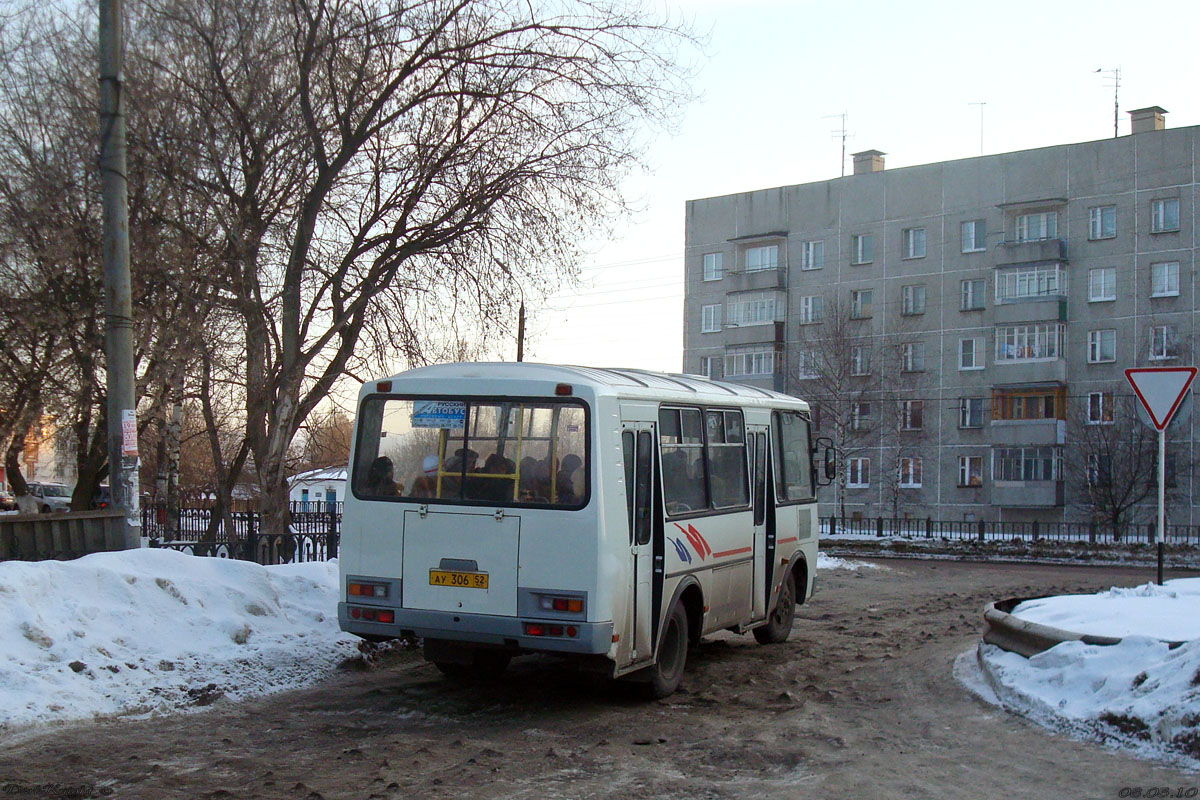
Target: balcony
(755,333)
(1027,494)
(1038,308)
(1028,431)
(760,279)
(1031,252)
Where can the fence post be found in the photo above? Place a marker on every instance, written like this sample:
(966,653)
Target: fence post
(929,527)
(1036,532)
(251,553)
(331,540)
(981,524)
(879,527)
(832,524)
(1092,532)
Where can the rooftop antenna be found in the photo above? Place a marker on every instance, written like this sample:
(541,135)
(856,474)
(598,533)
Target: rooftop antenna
(1115,77)
(842,133)
(981,104)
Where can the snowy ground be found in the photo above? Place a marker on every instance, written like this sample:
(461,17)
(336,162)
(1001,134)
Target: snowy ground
(155,630)
(833,562)
(1140,694)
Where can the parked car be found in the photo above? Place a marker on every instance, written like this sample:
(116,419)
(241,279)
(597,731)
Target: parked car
(7,501)
(51,496)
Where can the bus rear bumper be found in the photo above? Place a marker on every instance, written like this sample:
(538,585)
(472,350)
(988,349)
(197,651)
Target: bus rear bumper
(592,638)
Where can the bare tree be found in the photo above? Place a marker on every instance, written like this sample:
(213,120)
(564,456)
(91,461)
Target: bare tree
(378,167)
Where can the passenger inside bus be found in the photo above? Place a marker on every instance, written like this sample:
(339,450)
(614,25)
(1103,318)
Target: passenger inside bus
(381,478)
(425,484)
(570,480)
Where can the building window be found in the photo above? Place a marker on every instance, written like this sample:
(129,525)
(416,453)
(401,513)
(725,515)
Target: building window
(1102,284)
(762,258)
(1164,215)
(970,471)
(713,269)
(806,365)
(970,412)
(1102,222)
(1027,464)
(913,242)
(752,360)
(860,359)
(755,308)
(1100,408)
(812,255)
(1016,405)
(1035,227)
(1022,282)
(811,309)
(1102,346)
(970,354)
(1163,343)
(910,473)
(912,415)
(710,366)
(862,248)
(860,417)
(710,318)
(912,357)
(858,473)
(860,303)
(1164,279)
(974,236)
(1099,469)
(973,294)
(1037,342)
(913,299)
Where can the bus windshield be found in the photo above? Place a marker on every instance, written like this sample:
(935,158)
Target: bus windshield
(499,452)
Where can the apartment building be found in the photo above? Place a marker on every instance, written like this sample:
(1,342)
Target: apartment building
(965,325)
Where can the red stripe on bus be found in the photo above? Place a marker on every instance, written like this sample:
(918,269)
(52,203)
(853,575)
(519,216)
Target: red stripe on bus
(724,553)
(789,539)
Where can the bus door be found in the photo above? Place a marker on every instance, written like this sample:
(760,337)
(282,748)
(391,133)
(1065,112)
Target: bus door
(638,445)
(756,445)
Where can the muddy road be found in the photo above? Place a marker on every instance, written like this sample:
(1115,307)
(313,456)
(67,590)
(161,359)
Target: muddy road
(859,703)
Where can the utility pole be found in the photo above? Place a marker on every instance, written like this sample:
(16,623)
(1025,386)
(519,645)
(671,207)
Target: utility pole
(521,332)
(981,104)
(118,318)
(1115,77)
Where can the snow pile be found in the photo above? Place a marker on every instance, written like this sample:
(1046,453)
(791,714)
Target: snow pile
(151,630)
(1162,612)
(833,562)
(1139,694)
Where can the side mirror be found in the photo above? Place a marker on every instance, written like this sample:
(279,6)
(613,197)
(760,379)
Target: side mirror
(826,476)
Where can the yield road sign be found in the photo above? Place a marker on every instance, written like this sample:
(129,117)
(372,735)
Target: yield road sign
(1161,390)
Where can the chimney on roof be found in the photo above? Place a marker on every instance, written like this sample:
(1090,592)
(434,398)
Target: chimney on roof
(868,161)
(1148,119)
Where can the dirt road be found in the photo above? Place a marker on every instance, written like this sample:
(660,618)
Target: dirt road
(859,703)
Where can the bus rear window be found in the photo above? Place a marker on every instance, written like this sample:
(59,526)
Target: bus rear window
(461,450)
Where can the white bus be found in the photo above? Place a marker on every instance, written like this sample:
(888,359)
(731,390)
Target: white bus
(614,515)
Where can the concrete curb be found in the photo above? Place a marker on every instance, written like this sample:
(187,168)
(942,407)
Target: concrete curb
(1030,638)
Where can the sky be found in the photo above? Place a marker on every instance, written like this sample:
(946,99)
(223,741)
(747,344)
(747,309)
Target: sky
(772,81)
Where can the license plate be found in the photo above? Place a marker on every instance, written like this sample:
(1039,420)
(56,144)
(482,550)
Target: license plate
(463,580)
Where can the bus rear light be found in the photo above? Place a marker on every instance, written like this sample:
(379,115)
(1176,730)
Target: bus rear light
(357,589)
(373,614)
(563,390)
(569,605)
(543,629)
(383,386)
(554,630)
(534,629)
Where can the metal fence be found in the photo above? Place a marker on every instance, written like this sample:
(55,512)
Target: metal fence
(312,534)
(983,531)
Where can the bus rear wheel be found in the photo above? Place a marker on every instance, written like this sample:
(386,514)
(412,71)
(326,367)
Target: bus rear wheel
(779,624)
(667,672)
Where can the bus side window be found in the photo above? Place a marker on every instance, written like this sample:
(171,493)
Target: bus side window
(645,471)
(627,452)
(681,432)
(760,478)
(793,457)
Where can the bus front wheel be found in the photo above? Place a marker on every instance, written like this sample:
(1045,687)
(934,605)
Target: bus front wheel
(779,624)
(667,672)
